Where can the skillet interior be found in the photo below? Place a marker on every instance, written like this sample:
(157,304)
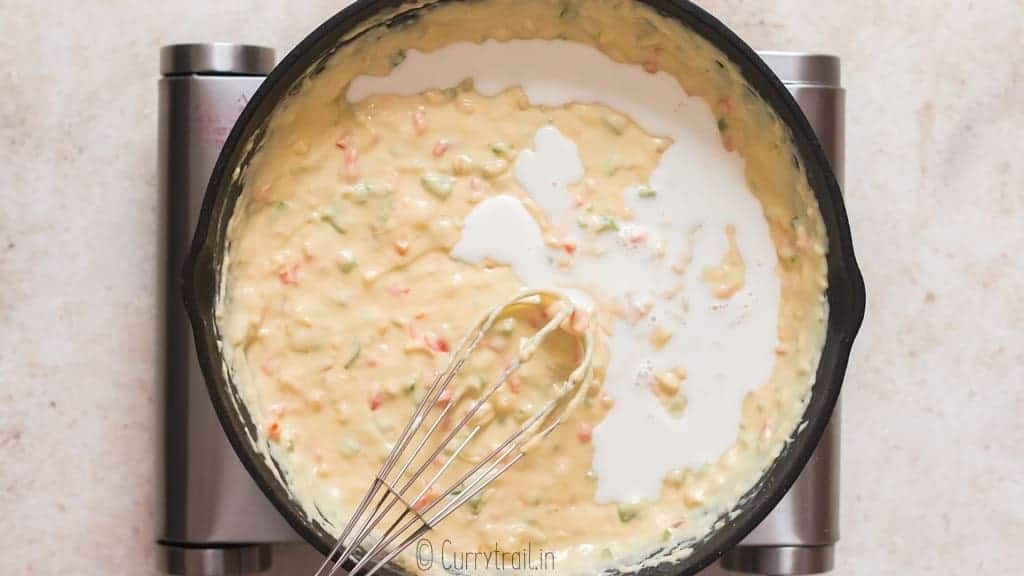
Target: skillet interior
(203,268)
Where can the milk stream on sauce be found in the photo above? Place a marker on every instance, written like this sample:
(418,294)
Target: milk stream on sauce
(726,346)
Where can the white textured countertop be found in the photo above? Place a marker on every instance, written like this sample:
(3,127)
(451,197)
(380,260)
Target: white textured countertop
(933,439)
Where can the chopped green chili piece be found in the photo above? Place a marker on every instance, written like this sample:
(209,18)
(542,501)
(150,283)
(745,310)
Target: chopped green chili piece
(501,149)
(346,262)
(357,349)
(301,169)
(615,123)
(351,448)
(334,222)
(569,10)
(475,504)
(646,192)
(627,513)
(437,184)
(359,193)
(607,224)
(397,58)
(723,125)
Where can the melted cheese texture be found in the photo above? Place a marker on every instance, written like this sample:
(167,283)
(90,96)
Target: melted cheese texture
(433,169)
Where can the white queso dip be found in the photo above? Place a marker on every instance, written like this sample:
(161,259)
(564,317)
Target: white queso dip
(436,168)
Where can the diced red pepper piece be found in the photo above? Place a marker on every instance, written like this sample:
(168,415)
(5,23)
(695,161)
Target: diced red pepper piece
(428,498)
(436,343)
(269,367)
(398,290)
(444,399)
(376,399)
(585,432)
(289,275)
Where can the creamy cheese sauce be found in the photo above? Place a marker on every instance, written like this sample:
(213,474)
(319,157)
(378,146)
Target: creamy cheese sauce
(433,170)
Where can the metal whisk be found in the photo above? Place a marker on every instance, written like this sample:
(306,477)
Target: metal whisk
(408,514)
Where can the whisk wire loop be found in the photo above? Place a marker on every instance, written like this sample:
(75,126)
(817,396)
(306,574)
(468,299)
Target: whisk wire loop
(390,518)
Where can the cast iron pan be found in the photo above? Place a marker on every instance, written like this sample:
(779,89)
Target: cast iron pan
(202,270)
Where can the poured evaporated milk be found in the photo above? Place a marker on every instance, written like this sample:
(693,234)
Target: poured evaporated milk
(726,347)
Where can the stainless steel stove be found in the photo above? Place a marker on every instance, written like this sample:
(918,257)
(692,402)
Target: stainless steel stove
(216,522)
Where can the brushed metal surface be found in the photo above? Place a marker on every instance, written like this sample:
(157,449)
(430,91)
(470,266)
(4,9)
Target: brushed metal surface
(232,561)
(216,58)
(799,535)
(803,67)
(780,560)
(809,514)
(209,498)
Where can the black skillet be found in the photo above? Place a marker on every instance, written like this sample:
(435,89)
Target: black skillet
(202,271)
